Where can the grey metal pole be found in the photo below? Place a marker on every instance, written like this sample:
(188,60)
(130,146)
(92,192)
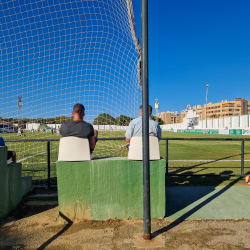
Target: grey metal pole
(167,157)
(48,162)
(206,104)
(242,157)
(145,122)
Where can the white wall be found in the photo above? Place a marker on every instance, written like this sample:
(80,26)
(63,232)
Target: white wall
(221,123)
(35,126)
(204,123)
(227,122)
(209,123)
(235,121)
(244,121)
(216,123)
(54,125)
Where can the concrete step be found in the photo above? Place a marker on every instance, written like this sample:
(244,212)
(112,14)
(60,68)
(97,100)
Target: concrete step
(41,199)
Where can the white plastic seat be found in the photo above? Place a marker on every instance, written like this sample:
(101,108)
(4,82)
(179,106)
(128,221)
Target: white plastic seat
(74,149)
(135,148)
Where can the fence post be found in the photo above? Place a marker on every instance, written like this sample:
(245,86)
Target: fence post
(242,157)
(48,162)
(167,157)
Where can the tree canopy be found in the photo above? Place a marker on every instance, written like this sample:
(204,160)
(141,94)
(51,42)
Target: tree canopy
(160,121)
(123,120)
(104,119)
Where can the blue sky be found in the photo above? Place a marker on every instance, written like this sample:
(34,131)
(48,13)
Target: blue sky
(58,53)
(47,57)
(193,43)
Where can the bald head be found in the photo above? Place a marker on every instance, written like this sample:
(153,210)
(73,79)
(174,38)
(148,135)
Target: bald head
(150,109)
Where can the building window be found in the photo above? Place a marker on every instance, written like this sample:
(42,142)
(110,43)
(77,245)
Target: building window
(244,108)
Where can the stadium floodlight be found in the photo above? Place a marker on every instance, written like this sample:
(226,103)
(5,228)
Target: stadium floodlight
(206,104)
(20,105)
(157,107)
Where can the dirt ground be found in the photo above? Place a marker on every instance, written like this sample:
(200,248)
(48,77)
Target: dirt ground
(39,227)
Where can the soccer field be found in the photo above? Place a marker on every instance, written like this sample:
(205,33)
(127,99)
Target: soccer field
(185,157)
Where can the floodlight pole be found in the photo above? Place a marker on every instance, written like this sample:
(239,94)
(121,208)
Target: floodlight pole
(206,104)
(145,122)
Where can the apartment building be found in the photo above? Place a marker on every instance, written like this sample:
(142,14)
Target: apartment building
(171,117)
(223,109)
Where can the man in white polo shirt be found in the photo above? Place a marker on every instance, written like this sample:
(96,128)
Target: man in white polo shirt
(135,127)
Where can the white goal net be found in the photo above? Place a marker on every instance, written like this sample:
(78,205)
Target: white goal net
(56,53)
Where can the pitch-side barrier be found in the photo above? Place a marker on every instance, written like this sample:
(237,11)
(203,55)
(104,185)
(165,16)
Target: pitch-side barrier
(48,183)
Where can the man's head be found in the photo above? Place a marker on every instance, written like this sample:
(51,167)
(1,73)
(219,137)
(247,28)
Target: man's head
(78,112)
(150,109)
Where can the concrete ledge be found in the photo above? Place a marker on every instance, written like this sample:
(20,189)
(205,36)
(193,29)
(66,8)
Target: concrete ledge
(12,187)
(109,188)
(15,184)
(27,185)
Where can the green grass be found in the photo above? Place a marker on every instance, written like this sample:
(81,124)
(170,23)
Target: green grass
(33,156)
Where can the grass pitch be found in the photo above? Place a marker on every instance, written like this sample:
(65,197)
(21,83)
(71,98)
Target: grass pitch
(185,157)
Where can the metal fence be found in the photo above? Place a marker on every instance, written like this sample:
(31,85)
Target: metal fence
(44,170)
(207,139)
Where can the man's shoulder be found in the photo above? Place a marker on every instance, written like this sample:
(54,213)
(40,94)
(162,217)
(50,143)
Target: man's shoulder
(136,120)
(154,123)
(69,123)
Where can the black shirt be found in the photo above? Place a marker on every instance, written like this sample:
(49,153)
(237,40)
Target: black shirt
(79,129)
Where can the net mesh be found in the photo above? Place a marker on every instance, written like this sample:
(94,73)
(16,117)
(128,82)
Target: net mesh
(55,53)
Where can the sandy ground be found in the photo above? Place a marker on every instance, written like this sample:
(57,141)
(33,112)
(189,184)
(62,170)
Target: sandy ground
(39,227)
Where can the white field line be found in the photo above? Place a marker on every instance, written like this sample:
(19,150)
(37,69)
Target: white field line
(203,160)
(36,163)
(168,161)
(34,156)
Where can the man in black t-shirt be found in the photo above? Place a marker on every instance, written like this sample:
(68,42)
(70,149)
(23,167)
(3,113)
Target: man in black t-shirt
(80,128)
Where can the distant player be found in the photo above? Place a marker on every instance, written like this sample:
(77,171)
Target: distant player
(52,130)
(22,133)
(58,131)
(19,131)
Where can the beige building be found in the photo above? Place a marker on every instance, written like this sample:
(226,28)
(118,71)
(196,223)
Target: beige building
(223,109)
(240,106)
(171,117)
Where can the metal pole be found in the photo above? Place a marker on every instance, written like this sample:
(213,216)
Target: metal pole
(48,162)
(206,105)
(145,122)
(166,157)
(242,157)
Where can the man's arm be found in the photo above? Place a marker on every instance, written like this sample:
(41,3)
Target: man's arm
(159,132)
(127,140)
(128,133)
(92,142)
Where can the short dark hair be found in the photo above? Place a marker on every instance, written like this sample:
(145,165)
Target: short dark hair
(150,109)
(79,108)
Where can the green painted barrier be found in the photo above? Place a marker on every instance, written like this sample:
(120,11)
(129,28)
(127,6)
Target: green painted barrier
(235,131)
(199,131)
(12,186)
(110,188)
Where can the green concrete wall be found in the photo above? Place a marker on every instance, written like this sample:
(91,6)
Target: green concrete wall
(4,184)
(12,186)
(110,188)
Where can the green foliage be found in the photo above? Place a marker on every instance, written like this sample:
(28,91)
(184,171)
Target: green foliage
(123,120)
(104,119)
(160,121)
